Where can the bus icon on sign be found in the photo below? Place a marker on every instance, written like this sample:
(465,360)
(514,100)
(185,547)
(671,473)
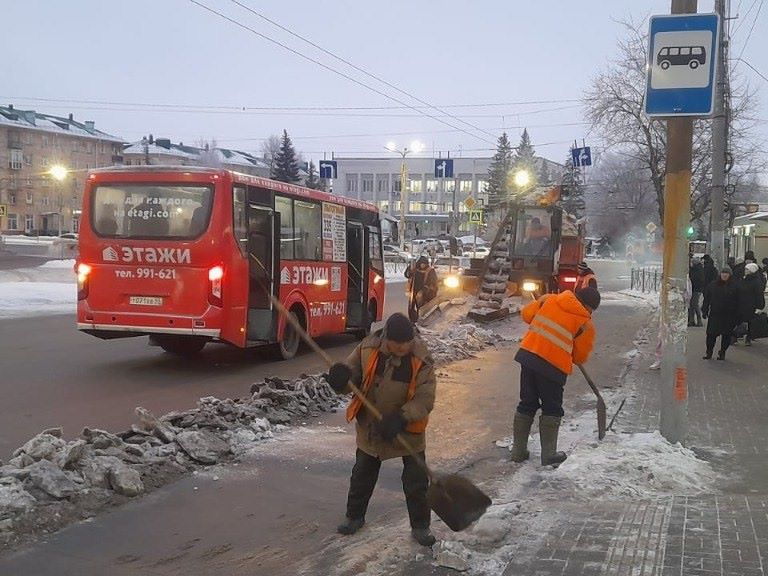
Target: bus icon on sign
(691,56)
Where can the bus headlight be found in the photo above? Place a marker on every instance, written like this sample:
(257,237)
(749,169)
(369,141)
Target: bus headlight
(451,281)
(530,286)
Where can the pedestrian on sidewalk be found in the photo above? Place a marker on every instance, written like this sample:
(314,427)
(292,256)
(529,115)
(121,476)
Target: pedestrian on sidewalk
(710,270)
(696,277)
(394,370)
(560,334)
(751,298)
(738,268)
(586,277)
(721,308)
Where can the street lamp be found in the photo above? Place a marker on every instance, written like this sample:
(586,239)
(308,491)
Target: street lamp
(522,178)
(59,173)
(415,147)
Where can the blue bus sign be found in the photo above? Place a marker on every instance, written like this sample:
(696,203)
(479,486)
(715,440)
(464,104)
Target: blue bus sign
(682,60)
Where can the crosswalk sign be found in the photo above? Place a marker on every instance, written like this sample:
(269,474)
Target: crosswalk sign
(476,216)
(3,210)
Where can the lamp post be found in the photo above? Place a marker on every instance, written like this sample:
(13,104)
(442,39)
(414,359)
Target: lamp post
(59,173)
(415,147)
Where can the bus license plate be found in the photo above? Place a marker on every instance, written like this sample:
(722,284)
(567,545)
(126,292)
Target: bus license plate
(146,300)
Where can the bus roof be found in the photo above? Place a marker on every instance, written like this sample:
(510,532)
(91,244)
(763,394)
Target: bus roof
(268,183)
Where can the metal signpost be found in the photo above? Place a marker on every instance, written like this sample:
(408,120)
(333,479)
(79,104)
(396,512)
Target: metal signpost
(680,83)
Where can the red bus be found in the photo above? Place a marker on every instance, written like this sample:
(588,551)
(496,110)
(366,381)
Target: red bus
(190,255)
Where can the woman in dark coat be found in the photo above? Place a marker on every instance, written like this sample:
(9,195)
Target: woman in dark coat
(751,296)
(721,306)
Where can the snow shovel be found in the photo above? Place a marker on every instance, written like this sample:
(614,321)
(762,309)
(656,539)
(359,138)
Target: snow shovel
(601,410)
(455,500)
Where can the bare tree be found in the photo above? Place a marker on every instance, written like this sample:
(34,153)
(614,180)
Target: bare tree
(269,150)
(208,155)
(614,105)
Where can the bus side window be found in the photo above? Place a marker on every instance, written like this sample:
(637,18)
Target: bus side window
(284,207)
(239,226)
(307,230)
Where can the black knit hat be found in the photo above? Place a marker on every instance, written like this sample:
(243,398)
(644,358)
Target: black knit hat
(398,328)
(583,267)
(589,297)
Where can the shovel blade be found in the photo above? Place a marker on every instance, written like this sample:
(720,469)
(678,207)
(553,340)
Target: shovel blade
(456,501)
(601,419)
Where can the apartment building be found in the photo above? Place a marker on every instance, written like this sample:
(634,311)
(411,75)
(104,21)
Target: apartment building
(31,143)
(161,151)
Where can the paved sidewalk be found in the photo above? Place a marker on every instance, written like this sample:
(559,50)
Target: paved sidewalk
(724,533)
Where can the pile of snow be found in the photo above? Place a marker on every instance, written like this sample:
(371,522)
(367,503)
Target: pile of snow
(59,265)
(633,465)
(50,481)
(14,240)
(34,298)
(459,341)
(649,297)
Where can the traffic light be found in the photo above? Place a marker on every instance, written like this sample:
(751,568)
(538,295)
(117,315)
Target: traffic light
(690,231)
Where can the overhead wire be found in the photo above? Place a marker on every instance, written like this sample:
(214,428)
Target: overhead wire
(331,69)
(358,68)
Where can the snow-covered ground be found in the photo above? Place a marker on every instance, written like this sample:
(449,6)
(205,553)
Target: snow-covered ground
(46,289)
(13,240)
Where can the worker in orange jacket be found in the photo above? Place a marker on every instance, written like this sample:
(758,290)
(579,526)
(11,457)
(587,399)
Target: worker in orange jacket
(560,335)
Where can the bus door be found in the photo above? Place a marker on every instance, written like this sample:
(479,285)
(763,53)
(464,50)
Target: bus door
(261,267)
(357,284)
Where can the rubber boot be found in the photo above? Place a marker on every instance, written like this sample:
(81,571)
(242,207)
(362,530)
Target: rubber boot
(548,429)
(350,526)
(521,428)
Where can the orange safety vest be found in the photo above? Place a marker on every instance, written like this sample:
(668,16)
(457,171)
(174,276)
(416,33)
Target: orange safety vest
(583,281)
(417,427)
(551,336)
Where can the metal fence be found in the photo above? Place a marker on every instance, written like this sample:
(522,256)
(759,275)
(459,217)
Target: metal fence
(646,279)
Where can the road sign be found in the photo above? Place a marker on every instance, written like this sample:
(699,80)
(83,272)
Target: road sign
(581,156)
(469,202)
(3,210)
(651,227)
(328,169)
(681,65)
(443,167)
(476,216)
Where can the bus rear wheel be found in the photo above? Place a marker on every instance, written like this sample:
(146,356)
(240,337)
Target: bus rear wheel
(289,344)
(180,345)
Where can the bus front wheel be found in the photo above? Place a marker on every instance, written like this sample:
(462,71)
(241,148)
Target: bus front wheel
(289,344)
(180,345)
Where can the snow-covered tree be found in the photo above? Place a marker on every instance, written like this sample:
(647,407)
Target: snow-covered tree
(524,158)
(286,166)
(312,180)
(498,173)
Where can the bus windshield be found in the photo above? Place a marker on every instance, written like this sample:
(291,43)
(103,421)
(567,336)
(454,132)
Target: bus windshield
(151,211)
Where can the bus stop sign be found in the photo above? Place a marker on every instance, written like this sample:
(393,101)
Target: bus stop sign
(682,58)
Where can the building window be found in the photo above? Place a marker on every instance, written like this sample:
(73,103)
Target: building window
(415,184)
(46,142)
(44,162)
(465,186)
(12,198)
(13,222)
(382,184)
(46,201)
(29,223)
(352,183)
(431,185)
(284,206)
(415,207)
(367,185)
(75,224)
(384,205)
(16,159)
(449,186)
(396,183)
(28,159)
(29,197)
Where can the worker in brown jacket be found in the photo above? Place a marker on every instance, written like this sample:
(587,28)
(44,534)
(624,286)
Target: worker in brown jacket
(395,371)
(560,334)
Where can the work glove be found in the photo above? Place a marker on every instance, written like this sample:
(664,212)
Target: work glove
(391,425)
(338,377)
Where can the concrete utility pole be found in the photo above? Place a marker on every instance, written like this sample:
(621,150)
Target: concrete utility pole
(403,200)
(673,420)
(719,137)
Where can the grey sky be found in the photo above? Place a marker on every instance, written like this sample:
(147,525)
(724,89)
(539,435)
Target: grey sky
(448,52)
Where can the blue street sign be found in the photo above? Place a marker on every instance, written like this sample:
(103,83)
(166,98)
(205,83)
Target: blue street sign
(682,58)
(581,156)
(443,167)
(328,169)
